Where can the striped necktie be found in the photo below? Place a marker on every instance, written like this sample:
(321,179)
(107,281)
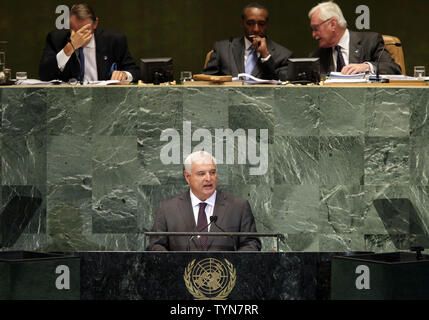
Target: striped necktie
(202,224)
(251,61)
(82,64)
(340,59)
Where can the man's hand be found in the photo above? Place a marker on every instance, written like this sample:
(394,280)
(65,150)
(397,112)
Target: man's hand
(82,37)
(354,68)
(79,39)
(118,75)
(260,44)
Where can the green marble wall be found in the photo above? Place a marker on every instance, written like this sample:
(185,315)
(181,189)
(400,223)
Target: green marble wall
(93,154)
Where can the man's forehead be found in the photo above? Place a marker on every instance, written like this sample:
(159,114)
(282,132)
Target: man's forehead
(255,13)
(202,165)
(207,162)
(80,22)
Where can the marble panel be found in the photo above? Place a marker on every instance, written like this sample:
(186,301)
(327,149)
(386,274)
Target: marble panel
(387,160)
(297,112)
(342,112)
(387,112)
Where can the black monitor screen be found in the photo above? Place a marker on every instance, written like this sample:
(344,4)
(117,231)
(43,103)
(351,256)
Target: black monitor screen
(157,70)
(304,70)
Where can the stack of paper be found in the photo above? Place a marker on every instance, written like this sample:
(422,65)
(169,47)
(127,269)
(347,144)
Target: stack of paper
(36,82)
(249,79)
(338,77)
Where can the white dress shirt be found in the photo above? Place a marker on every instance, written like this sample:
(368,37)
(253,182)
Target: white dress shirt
(209,207)
(89,51)
(344,44)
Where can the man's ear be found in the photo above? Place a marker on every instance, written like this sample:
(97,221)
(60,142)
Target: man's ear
(186,174)
(95,23)
(334,24)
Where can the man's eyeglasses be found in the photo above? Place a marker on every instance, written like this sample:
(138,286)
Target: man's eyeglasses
(316,27)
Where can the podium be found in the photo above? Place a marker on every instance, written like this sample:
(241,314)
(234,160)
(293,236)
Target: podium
(28,275)
(384,276)
(201,275)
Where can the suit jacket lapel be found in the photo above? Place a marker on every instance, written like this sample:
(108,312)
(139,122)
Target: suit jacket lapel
(326,61)
(355,48)
(102,60)
(186,212)
(238,54)
(219,211)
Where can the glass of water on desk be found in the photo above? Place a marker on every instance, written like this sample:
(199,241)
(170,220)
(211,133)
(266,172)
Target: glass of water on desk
(185,76)
(419,72)
(21,75)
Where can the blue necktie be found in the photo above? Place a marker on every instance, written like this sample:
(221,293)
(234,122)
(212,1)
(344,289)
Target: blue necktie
(251,61)
(82,64)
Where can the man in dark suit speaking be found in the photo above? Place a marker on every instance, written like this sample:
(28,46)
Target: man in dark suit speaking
(254,53)
(191,211)
(347,51)
(100,54)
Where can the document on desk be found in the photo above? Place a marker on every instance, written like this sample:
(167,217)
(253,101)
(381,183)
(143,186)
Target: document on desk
(398,77)
(338,77)
(249,79)
(107,82)
(36,82)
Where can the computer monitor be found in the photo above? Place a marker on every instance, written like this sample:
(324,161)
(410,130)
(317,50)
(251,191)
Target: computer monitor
(304,70)
(156,70)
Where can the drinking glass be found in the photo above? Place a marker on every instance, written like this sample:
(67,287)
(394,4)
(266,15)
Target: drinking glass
(419,72)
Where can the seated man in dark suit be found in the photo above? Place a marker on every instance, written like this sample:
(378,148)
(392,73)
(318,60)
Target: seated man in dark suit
(254,53)
(103,54)
(347,51)
(190,212)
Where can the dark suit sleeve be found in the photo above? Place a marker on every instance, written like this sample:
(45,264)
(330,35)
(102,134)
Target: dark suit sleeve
(48,68)
(160,225)
(248,225)
(124,59)
(387,64)
(277,66)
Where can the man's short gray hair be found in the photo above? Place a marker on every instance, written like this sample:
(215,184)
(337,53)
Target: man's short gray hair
(83,11)
(198,157)
(329,10)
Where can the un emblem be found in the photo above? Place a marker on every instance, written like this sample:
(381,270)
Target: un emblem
(210,279)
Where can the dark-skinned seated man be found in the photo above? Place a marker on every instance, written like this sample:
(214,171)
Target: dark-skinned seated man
(254,54)
(100,54)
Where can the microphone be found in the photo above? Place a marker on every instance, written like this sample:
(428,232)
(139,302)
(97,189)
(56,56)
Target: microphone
(78,60)
(379,58)
(188,248)
(213,220)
